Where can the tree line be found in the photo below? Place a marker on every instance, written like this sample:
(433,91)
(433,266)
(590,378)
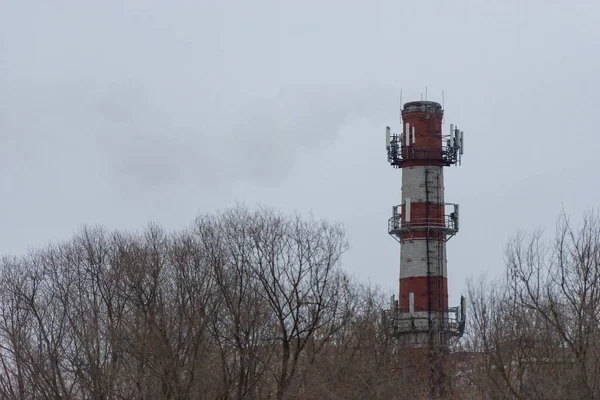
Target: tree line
(241,304)
(254,304)
(535,333)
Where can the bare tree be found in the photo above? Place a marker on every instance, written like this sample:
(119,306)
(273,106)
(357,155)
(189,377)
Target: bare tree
(535,332)
(561,284)
(296,263)
(281,288)
(171,306)
(242,322)
(244,304)
(15,333)
(359,359)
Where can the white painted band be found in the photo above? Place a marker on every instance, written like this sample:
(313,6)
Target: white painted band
(413,184)
(413,258)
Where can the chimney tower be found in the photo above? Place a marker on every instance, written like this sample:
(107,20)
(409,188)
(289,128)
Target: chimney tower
(423,222)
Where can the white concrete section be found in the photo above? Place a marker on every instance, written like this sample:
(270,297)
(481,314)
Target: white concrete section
(438,317)
(413,258)
(413,184)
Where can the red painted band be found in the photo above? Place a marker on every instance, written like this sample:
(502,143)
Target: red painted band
(432,214)
(418,286)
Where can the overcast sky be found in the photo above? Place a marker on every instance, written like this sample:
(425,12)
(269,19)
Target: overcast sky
(124,112)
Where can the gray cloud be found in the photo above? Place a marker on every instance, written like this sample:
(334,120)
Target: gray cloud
(123,112)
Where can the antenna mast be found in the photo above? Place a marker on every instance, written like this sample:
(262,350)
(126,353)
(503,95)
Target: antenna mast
(443,108)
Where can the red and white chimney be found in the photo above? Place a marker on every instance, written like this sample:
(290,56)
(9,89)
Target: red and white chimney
(423,223)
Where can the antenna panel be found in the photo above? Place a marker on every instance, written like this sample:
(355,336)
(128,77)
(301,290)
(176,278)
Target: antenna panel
(456,138)
(457,215)
(387,137)
(407,210)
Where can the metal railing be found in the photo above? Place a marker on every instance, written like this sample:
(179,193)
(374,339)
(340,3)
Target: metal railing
(398,154)
(421,324)
(447,221)
(403,323)
(448,224)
